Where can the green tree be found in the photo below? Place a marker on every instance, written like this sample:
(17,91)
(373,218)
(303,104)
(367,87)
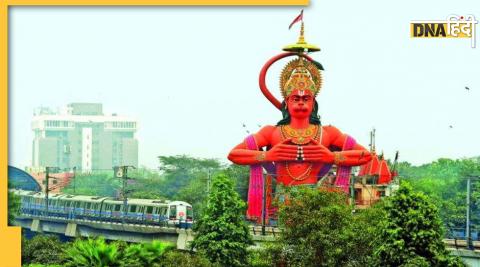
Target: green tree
(42,265)
(147,184)
(366,234)
(176,258)
(93,252)
(195,193)
(43,249)
(412,232)
(148,254)
(99,183)
(320,230)
(13,206)
(179,171)
(264,255)
(222,235)
(241,175)
(444,182)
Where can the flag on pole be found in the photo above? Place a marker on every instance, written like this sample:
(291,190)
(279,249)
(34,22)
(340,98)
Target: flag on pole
(297,19)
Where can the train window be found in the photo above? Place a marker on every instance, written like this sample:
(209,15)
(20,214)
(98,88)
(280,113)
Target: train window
(173,211)
(163,211)
(117,207)
(149,209)
(78,204)
(133,208)
(88,205)
(189,213)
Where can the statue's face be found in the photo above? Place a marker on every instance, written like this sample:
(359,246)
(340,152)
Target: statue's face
(300,103)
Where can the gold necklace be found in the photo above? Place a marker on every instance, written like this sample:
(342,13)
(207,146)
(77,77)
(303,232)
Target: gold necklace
(302,176)
(300,136)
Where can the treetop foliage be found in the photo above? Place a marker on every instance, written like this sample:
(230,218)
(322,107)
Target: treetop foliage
(221,233)
(412,232)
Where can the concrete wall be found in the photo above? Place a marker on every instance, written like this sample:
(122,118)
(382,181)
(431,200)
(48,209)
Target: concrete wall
(64,147)
(48,154)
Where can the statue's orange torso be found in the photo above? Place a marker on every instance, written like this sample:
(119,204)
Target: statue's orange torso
(304,168)
(296,172)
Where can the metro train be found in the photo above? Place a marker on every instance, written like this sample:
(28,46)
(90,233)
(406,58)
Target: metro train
(108,209)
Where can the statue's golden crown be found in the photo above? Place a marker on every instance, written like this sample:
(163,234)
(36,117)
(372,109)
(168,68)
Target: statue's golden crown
(300,74)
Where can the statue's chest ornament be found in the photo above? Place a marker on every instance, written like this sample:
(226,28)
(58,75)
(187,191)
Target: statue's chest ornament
(300,136)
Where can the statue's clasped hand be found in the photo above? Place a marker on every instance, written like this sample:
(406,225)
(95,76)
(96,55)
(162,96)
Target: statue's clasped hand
(283,151)
(313,152)
(316,152)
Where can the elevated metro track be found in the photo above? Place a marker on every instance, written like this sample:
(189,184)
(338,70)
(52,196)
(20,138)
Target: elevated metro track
(146,233)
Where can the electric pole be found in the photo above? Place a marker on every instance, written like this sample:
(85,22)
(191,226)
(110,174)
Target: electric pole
(74,179)
(47,175)
(372,140)
(47,185)
(124,192)
(121,172)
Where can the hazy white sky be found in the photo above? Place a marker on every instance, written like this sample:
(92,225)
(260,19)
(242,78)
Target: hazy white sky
(190,74)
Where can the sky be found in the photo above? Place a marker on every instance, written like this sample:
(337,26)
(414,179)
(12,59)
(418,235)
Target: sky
(189,75)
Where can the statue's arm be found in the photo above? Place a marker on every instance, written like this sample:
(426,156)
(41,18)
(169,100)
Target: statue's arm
(358,155)
(241,155)
(280,152)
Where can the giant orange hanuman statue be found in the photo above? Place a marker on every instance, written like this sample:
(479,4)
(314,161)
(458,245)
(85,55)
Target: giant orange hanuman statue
(298,150)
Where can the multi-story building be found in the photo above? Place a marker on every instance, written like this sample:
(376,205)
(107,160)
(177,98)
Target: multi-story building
(81,136)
